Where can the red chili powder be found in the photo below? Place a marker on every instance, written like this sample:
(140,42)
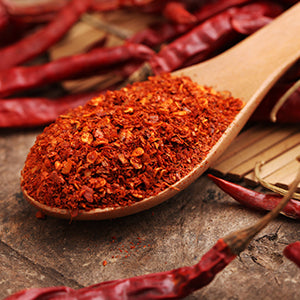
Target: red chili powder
(127,145)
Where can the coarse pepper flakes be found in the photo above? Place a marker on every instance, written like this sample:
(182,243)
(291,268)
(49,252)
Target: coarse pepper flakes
(126,145)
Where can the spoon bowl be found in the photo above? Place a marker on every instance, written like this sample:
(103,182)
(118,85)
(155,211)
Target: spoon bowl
(248,71)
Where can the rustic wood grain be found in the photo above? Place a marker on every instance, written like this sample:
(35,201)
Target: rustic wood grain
(254,149)
(276,150)
(276,146)
(36,253)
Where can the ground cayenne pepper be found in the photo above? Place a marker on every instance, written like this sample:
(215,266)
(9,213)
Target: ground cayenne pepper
(126,145)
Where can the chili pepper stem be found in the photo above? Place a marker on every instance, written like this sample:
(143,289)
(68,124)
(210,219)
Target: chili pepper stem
(107,27)
(270,186)
(239,240)
(282,100)
(139,75)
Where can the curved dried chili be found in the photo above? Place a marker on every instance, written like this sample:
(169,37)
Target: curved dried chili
(288,113)
(127,145)
(201,41)
(213,34)
(256,199)
(29,112)
(36,43)
(23,78)
(290,110)
(162,32)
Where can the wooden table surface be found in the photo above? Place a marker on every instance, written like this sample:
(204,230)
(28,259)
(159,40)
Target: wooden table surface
(54,252)
(40,253)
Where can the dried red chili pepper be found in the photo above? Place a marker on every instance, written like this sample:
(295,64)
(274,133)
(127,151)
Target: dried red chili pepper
(4,18)
(254,16)
(106,5)
(167,117)
(200,41)
(41,294)
(216,32)
(177,12)
(22,78)
(29,112)
(174,284)
(212,8)
(255,199)
(292,252)
(162,32)
(290,110)
(34,11)
(38,42)
(10,29)
(159,33)
(288,113)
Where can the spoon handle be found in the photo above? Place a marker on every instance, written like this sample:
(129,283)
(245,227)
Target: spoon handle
(250,68)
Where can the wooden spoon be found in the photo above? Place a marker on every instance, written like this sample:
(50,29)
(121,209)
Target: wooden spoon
(248,71)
